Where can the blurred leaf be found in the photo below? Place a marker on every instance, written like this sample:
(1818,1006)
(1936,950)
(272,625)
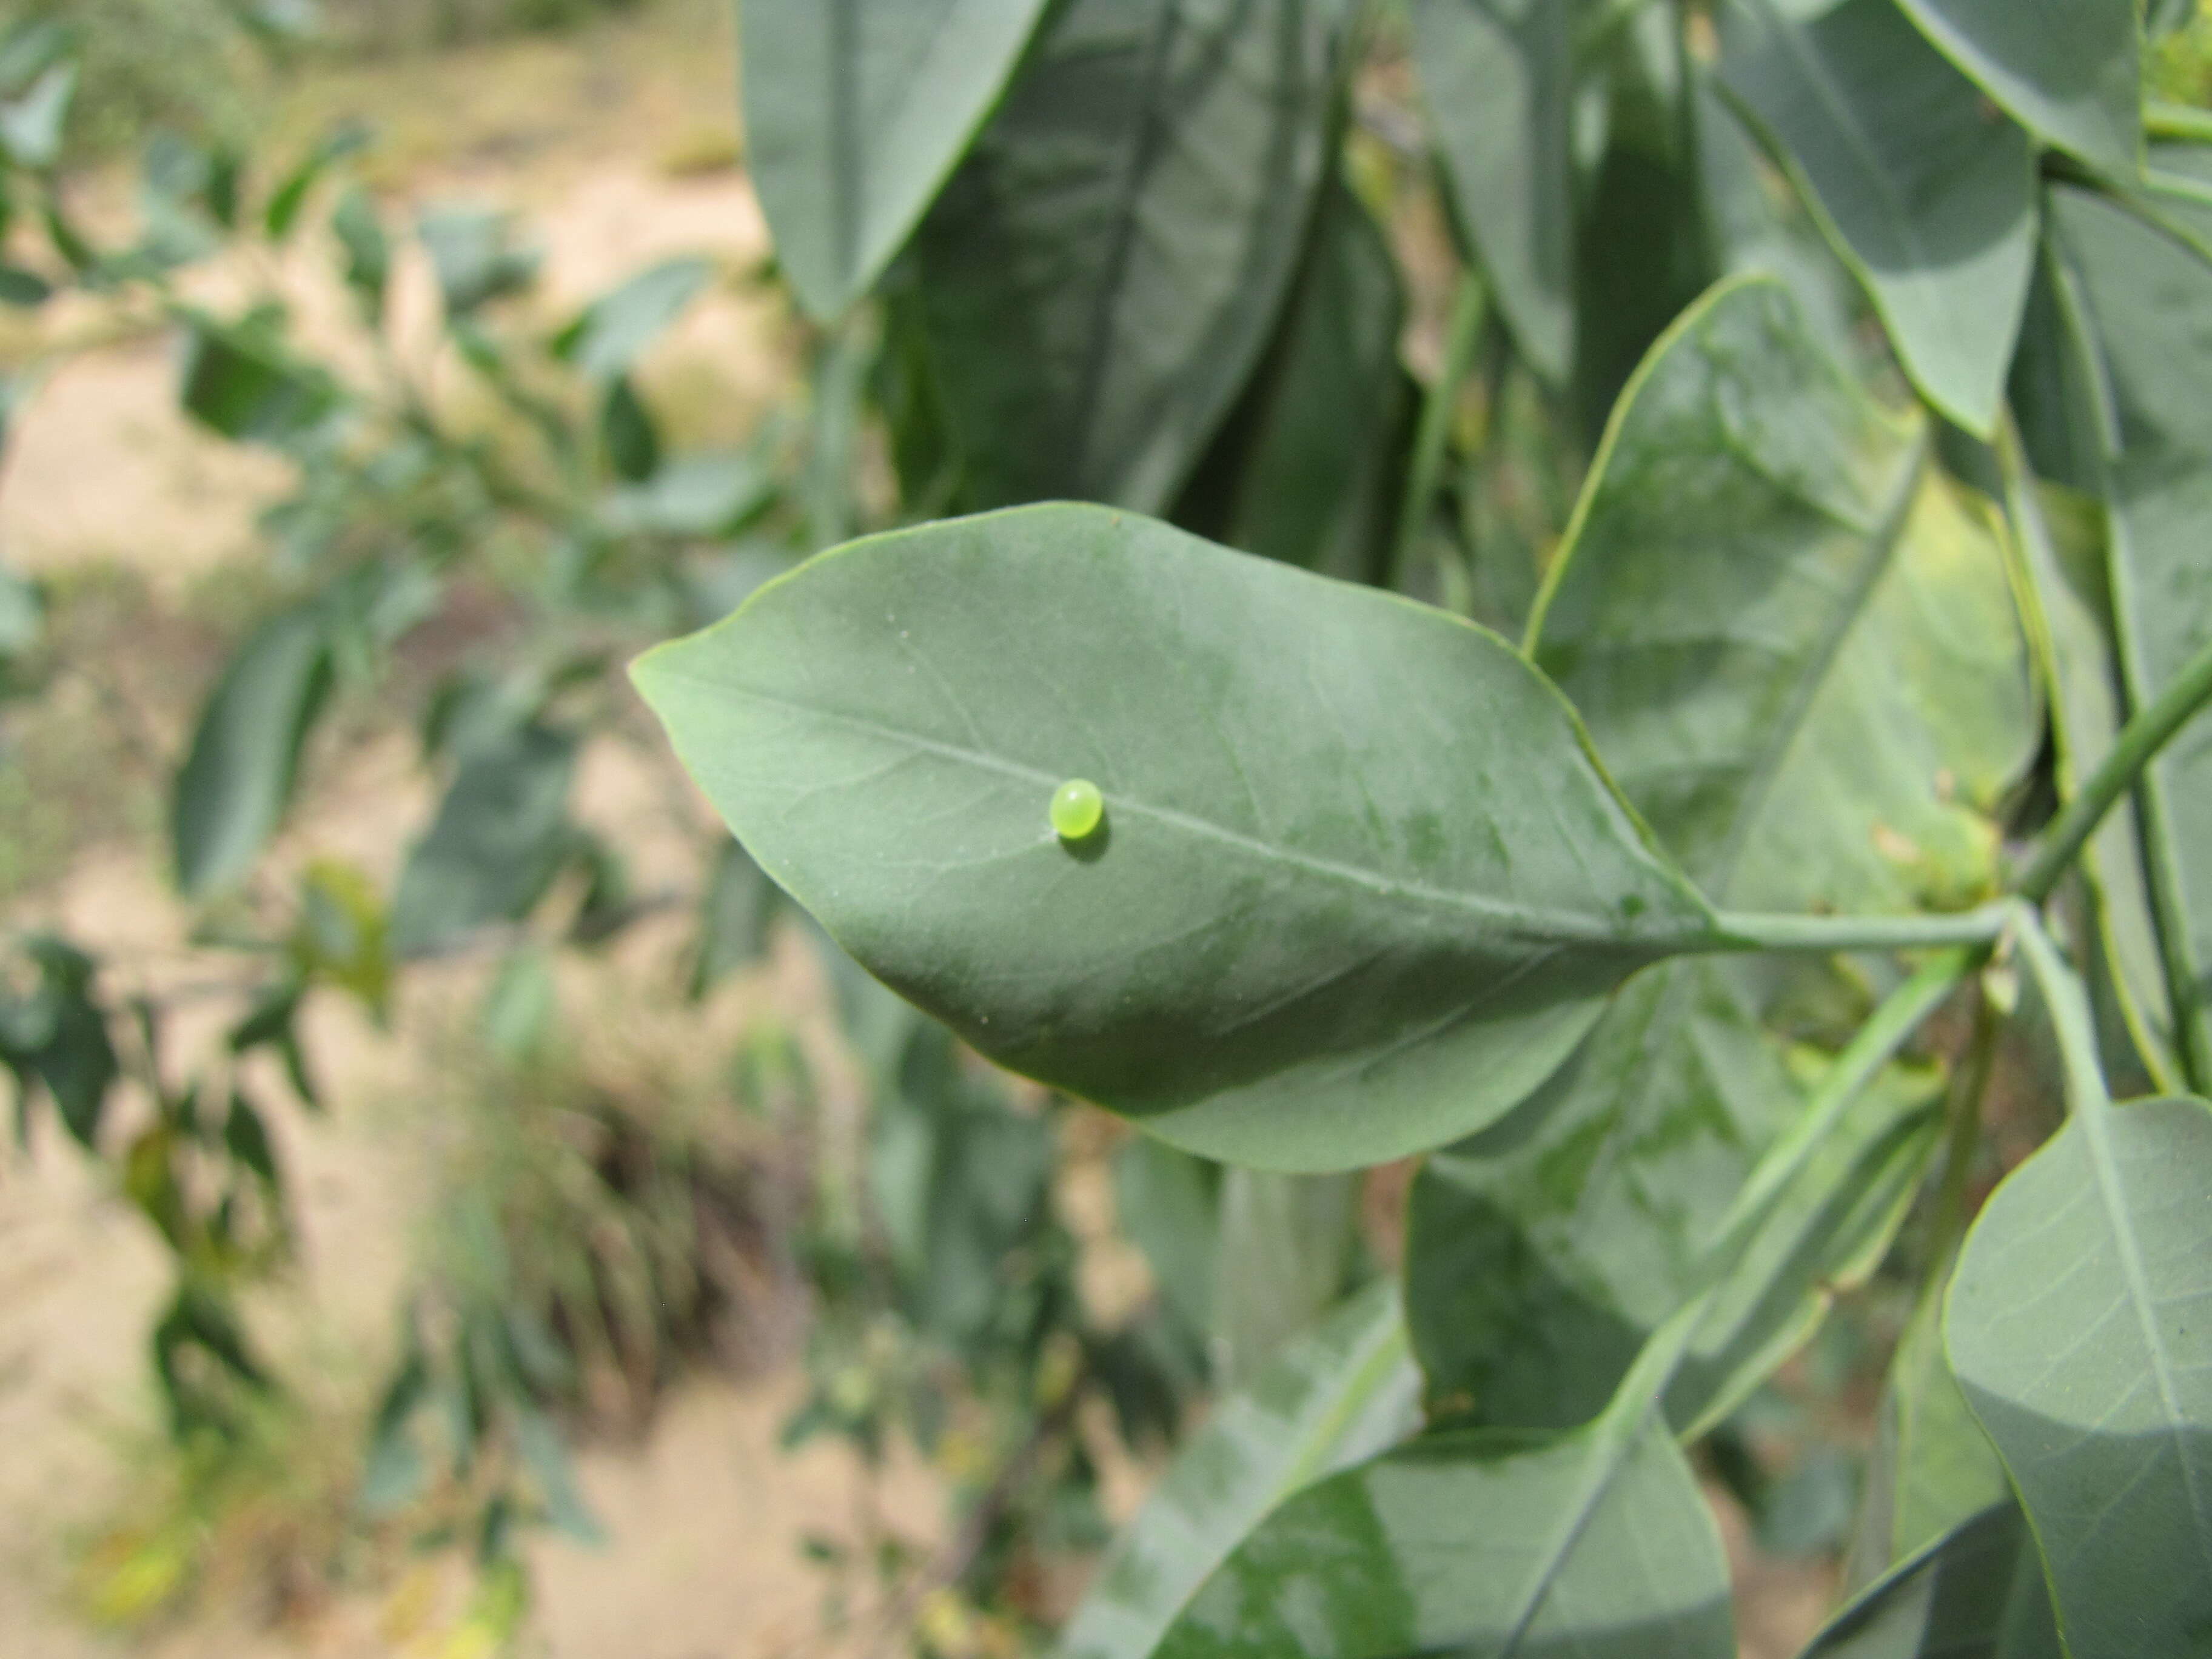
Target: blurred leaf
(246,1137)
(854,117)
(1285,1252)
(734,919)
(359,231)
(56,1035)
(1498,76)
(520,1007)
(2069,74)
(1169,1205)
(19,287)
(31,122)
(626,429)
(347,138)
(703,497)
(606,342)
(1335,1396)
(474,256)
(199,1320)
(2074,1326)
(1101,273)
(22,614)
(498,840)
(392,1471)
(1975,1593)
(1927,193)
(884,729)
(547,1459)
(242,381)
(236,782)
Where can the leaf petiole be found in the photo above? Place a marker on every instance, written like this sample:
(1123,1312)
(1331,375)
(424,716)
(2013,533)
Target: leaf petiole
(1748,932)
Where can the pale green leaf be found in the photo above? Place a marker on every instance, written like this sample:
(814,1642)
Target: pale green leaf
(1975,1593)
(1927,192)
(1285,1248)
(1360,886)
(2080,1326)
(855,111)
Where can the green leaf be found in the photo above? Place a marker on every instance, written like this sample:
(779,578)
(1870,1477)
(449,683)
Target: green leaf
(854,113)
(554,1474)
(626,427)
(2070,74)
(613,331)
(498,842)
(2146,302)
(1498,76)
(1332,1398)
(2078,1327)
(474,256)
(1481,1544)
(1927,195)
(1761,613)
(19,287)
(22,615)
(245,1138)
(242,381)
(1305,468)
(1976,1593)
(701,497)
(31,123)
(56,1035)
(733,921)
(359,231)
(1312,933)
(1169,1205)
(1102,271)
(1285,1251)
(1932,1470)
(235,786)
(346,138)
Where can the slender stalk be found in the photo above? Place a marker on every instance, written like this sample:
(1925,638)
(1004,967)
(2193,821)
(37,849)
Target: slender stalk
(2142,738)
(1828,934)
(2163,120)
(1947,1222)
(1470,307)
(2069,1015)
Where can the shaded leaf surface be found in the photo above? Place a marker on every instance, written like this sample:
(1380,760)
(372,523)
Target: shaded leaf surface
(2080,1326)
(1928,196)
(855,110)
(1102,272)
(496,842)
(1976,1593)
(1360,886)
(1333,1397)
(1482,1545)
(2068,72)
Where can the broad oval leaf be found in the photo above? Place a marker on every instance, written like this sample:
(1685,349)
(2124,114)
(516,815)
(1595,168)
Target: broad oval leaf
(2071,74)
(1976,1593)
(1360,885)
(1928,195)
(2080,1326)
(855,111)
(1498,76)
(1101,273)
(1484,1546)
(236,782)
(1332,1398)
(2146,302)
(1798,652)
(495,844)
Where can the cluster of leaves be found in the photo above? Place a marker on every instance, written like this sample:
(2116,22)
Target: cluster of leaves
(1628,928)
(509,484)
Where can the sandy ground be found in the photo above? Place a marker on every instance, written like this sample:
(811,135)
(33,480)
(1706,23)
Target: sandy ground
(581,134)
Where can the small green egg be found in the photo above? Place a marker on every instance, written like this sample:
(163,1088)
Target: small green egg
(1077,809)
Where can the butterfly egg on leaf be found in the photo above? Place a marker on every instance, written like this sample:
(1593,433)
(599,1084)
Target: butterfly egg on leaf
(1076,809)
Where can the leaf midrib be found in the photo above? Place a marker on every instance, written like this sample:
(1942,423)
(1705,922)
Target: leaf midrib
(1531,923)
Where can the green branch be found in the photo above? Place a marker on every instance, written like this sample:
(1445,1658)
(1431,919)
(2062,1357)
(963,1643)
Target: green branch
(2140,740)
(1829,934)
(2070,1014)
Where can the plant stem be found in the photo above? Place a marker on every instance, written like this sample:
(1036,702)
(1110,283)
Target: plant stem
(2163,120)
(1470,307)
(1750,932)
(1948,1220)
(2069,1015)
(2140,740)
